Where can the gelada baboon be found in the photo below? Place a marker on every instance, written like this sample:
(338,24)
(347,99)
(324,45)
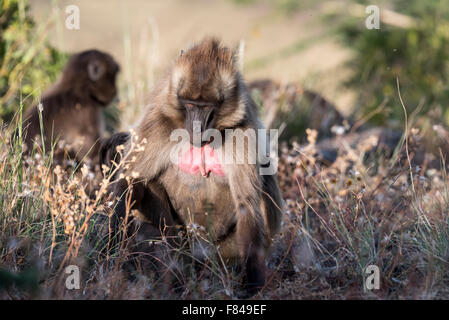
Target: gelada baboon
(295,107)
(72,108)
(239,209)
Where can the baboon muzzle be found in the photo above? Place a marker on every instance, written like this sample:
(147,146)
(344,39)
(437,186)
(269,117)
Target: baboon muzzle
(197,121)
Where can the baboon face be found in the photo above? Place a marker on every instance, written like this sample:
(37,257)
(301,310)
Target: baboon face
(93,73)
(204,87)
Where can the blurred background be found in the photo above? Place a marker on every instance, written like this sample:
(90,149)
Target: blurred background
(322,46)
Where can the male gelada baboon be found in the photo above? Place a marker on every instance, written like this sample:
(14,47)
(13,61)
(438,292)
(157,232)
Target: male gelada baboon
(72,109)
(238,208)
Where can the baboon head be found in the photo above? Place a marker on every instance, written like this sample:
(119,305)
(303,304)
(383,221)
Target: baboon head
(91,75)
(204,86)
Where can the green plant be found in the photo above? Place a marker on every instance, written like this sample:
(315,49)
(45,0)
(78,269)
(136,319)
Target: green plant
(28,64)
(418,55)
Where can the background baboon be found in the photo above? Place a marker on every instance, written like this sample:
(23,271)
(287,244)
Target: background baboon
(241,209)
(293,108)
(72,109)
(108,149)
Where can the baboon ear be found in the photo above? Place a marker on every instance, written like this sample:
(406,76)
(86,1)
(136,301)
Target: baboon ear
(95,70)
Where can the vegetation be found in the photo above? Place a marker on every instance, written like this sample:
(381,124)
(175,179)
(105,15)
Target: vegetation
(28,64)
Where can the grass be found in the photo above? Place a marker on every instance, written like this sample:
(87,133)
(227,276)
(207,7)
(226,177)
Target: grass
(340,218)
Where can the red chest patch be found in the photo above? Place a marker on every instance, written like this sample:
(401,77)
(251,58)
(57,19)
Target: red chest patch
(203,160)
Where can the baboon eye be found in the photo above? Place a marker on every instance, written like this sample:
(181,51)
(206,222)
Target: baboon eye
(189,105)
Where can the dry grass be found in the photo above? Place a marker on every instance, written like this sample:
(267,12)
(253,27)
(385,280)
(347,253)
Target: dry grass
(340,218)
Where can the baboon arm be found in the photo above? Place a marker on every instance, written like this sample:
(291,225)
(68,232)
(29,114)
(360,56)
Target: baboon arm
(108,151)
(250,230)
(121,191)
(155,156)
(141,167)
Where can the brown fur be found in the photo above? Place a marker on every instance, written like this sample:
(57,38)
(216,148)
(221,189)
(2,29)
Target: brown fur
(243,208)
(72,109)
(108,150)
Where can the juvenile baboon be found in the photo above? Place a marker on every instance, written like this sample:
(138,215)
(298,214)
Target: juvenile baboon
(239,208)
(72,109)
